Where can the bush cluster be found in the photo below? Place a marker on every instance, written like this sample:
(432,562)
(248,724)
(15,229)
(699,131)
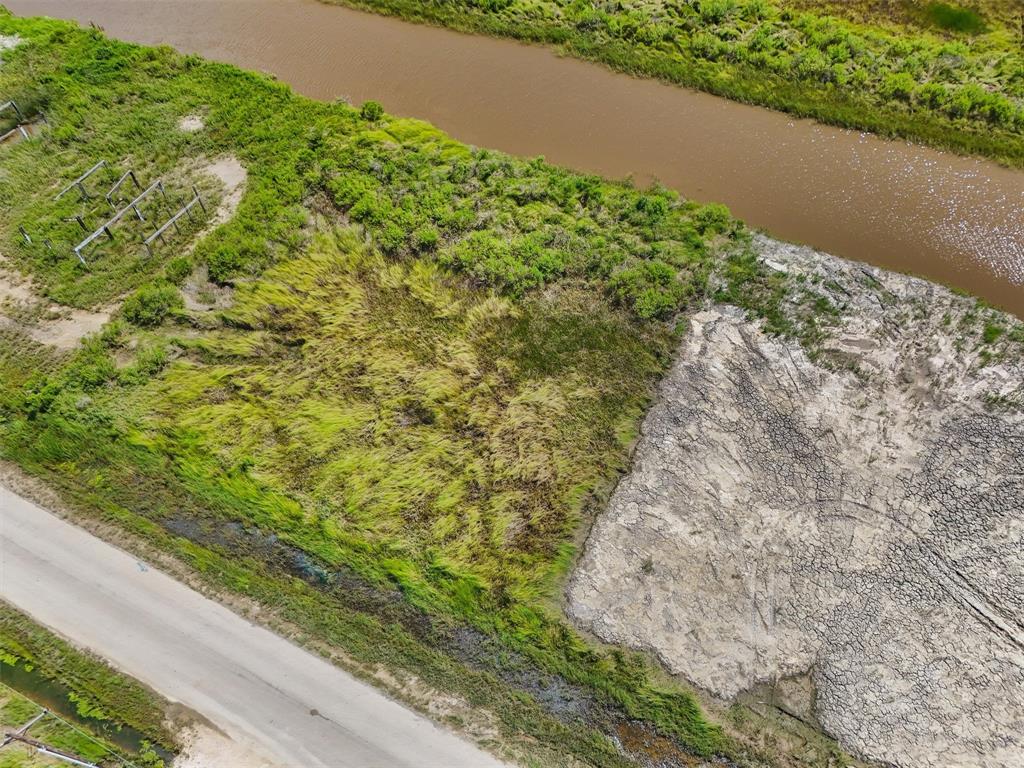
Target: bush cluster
(151,304)
(960,79)
(521,225)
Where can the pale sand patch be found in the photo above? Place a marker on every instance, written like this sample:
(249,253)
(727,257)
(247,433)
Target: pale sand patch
(63,328)
(66,331)
(13,289)
(862,533)
(191,124)
(232,174)
(206,747)
(7,42)
(199,293)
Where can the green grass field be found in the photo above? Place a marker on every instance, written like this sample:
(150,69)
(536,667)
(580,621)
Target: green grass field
(948,75)
(426,374)
(942,16)
(433,367)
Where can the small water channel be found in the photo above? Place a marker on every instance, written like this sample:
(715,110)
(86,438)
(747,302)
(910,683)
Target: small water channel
(956,220)
(57,698)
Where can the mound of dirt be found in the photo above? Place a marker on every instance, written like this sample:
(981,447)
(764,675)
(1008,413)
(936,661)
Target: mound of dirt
(785,519)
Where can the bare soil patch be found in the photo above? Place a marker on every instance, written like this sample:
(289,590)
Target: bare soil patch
(191,124)
(66,328)
(58,326)
(7,42)
(206,747)
(230,172)
(13,290)
(199,292)
(852,537)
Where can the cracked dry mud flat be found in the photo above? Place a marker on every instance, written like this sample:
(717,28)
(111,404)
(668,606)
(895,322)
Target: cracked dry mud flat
(786,519)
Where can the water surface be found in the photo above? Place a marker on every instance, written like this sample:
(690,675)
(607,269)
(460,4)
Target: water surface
(956,220)
(57,698)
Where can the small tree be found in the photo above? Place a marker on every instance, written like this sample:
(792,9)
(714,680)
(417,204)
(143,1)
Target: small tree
(371,111)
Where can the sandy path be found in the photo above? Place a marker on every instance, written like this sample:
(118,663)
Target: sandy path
(291,707)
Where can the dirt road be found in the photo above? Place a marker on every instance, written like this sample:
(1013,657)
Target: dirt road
(292,708)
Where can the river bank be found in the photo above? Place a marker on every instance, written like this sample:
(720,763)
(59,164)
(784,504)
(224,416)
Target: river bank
(903,207)
(942,85)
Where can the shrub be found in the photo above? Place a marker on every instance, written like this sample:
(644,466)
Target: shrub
(391,237)
(899,86)
(992,333)
(371,209)
(812,64)
(714,218)
(178,269)
(149,305)
(371,111)
(716,11)
(233,256)
(513,266)
(652,289)
(955,18)
(933,95)
(425,239)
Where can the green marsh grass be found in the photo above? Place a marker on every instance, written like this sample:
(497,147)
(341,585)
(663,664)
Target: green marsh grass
(431,372)
(434,363)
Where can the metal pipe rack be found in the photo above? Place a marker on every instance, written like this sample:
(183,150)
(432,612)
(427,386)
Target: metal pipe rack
(78,182)
(129,174)
(11,105)
(173,221)
(105,227)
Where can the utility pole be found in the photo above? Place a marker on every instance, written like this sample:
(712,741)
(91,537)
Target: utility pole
(21,735)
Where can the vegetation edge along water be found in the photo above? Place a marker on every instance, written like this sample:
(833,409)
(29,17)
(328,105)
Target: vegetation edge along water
(102,697)
(960,91)
(430,371)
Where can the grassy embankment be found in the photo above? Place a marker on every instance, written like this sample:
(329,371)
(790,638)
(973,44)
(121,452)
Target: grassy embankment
(934,72)
(103,699)
(434,366)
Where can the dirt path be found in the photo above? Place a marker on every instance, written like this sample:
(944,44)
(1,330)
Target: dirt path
(286,706)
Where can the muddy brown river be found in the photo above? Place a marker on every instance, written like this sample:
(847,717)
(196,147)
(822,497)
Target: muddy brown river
(956,220)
